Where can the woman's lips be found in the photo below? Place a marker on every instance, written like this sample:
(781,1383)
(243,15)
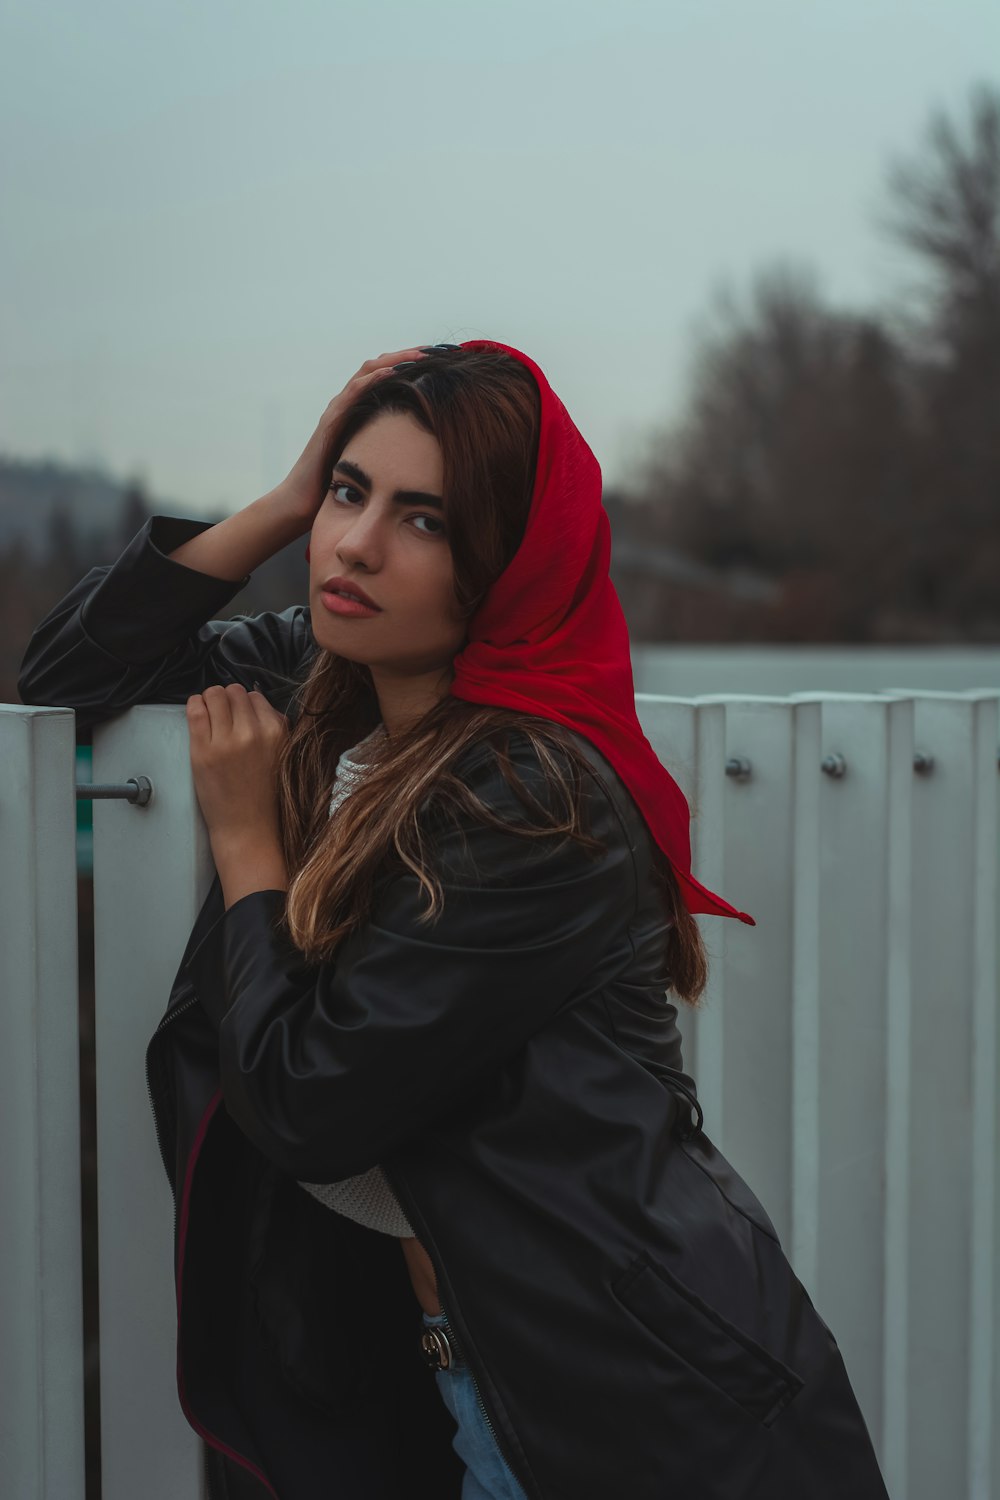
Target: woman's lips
(338,605)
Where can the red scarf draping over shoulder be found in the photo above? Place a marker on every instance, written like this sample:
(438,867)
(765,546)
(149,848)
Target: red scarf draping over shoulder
(550,636)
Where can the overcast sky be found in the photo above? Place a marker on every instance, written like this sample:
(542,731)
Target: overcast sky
(213,212)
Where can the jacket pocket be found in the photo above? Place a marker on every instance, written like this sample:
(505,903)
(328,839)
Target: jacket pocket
(726,1356)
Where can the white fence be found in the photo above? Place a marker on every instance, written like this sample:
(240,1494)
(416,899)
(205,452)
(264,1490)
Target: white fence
(41,1302)
(847,1059)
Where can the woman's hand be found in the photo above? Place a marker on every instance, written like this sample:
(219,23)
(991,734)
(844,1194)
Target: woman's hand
(306,484)
(235,740)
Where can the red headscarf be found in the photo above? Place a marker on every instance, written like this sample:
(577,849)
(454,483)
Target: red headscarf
(550,637)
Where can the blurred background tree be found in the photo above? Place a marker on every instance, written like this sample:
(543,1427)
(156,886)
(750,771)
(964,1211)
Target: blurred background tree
(945,208)
(851,459)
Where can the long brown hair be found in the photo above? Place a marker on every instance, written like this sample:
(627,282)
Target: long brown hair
(483,408)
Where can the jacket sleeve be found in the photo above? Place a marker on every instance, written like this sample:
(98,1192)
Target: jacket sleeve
(140,631)
(326,1068)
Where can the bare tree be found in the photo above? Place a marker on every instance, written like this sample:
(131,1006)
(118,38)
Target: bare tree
(792,455)
(854,455)
(944,206)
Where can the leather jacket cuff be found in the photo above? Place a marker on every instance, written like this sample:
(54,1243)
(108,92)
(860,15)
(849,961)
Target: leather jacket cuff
(145,605)
(246,933)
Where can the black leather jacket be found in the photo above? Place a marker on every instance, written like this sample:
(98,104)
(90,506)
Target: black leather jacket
(630,1318)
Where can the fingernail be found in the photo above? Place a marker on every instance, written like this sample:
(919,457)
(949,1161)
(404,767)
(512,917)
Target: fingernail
(403,364)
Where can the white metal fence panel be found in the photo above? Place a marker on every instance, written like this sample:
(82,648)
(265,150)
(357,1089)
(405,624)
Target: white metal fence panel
(849,828)
(789,1048)
(152,869)
(847,1053)
(948,1279)
(41,1297)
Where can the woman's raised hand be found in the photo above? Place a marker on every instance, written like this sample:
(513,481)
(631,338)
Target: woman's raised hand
(305,486)
(235,740)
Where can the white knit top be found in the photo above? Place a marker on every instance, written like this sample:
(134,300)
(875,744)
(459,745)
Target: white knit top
(367,1198)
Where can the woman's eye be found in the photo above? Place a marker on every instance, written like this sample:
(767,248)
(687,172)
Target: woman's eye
(439,525)
(341,484)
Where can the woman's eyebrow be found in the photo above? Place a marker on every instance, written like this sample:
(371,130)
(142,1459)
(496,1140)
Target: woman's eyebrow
(404,497)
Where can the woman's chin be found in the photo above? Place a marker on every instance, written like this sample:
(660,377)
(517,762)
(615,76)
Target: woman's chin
(340,649)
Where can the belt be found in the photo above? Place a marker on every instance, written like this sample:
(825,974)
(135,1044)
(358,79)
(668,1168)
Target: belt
(441,1350)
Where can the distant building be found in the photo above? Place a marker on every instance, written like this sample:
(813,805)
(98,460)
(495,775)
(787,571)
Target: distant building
(667,595)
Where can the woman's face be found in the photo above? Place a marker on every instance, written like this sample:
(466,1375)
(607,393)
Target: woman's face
(381,528)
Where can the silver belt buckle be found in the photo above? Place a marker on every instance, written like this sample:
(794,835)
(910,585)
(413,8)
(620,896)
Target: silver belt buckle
(436,1349)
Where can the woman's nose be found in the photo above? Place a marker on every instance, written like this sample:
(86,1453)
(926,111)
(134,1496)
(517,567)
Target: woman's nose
(360,539)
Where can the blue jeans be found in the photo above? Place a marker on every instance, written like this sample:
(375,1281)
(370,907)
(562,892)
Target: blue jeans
(487,1476)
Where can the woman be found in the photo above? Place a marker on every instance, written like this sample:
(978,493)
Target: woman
(428,989)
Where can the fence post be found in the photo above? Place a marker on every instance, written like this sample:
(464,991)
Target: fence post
(41,1289)
(152,869)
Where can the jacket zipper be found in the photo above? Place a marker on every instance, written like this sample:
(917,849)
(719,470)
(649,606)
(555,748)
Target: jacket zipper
(456,1344)
(210,1489)
(461,1345)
